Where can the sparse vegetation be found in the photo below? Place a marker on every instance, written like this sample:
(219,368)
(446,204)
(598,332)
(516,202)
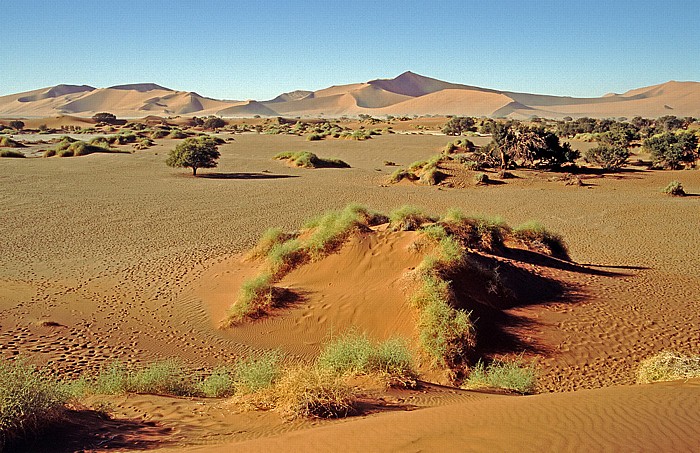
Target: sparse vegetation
(7,142)
(408,218)
(674,188)
(104,117)
(481,179)
(513,375)
(668,366)
(8,153)
(29,401)
(255,297)
(307,159)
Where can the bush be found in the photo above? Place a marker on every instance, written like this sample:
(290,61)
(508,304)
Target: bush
(674,188)
(177,134)
(8,153)
(314,137)
(104,117)
(668,366)
(458,125)
(509,375)
(671,150)
(219,384)
(533,234)
(28,401)
(49,153)
(214,122)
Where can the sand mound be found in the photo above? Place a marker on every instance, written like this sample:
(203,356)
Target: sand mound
(659,417)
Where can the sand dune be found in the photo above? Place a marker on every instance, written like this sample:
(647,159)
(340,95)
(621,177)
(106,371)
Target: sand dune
(650,418)
(406,94)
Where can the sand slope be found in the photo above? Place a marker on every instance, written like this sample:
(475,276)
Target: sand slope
(406,94)
(651,418)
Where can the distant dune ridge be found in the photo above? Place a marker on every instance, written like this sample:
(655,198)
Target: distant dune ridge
(407,94)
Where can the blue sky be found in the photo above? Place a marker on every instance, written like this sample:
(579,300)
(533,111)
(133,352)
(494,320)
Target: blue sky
(259,49)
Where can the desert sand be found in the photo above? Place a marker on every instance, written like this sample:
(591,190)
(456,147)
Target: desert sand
(116,256)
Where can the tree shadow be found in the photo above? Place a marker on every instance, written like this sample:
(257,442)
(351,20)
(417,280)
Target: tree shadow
(538,259)
(81,430)
(244,176)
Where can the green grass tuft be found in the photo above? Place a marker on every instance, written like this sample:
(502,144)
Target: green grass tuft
(674,188)
(534,235)
(511,375)
(408,218)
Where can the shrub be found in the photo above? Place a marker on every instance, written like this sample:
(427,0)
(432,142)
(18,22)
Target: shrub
(668,366)
(8,153)
(671,150)
(609,157)
(177,134)
(214,122)
(408,218)
(49,153)
(257,373)
(17,125)
(674,188)
(511,375)
(113,379)
(104,117)
(432,176)
(159,133)
(533,234)
(457,125)
(28,401)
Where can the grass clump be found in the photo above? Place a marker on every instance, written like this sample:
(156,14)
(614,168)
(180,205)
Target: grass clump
(255,297)
(29,401)
(536,236)
(481,179)
(311,392)
(306,159)
(668,366)
(270,238)
(7,142)
(219,384)
(256,373)
(9,153)
(481,233)
(401,174)
(514,375)
(408,218)
(674,188)
(355,354)
(165,377)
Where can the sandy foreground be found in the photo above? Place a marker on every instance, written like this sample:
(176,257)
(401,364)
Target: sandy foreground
(116,256)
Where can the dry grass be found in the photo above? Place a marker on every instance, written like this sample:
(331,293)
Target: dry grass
(513,375)
(668,366)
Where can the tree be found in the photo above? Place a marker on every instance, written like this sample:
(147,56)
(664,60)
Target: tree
(458,125)
(529,147)
(610,157)
(214,122)
(17,124)
(194,152)
(104,117)
(671,150)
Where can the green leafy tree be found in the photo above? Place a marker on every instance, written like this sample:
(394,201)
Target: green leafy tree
(17,125)
(529,147)
(609,156)
(458,125)
(214,122)
(104,117)
(671,150)
(194,153)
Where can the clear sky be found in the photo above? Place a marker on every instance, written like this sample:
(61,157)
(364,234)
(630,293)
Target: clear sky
(259,49)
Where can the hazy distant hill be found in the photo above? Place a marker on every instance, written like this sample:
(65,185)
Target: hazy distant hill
(407,94)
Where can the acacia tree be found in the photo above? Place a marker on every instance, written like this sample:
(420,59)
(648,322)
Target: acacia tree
(194,152)
(104,117)
(671,150)
(458,125)
(17,124)
(529,147)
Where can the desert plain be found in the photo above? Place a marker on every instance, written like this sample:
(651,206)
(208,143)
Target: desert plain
(119,257)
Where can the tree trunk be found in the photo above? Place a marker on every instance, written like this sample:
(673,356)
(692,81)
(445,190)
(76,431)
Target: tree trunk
(194,171)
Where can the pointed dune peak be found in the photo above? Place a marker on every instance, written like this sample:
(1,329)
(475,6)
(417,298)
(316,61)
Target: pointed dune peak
(57,91)
(140,87)
(296,95)
(415,85)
